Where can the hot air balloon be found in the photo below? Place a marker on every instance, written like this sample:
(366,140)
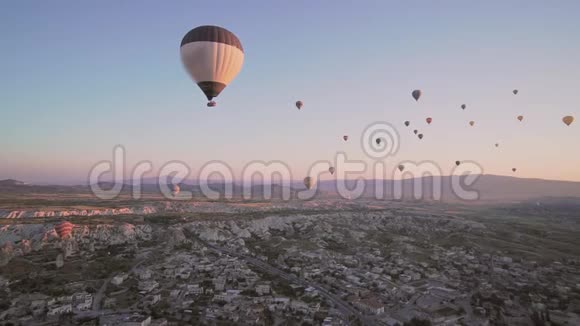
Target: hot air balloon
(212,56)
(471,123)
(568,120)
(420,136)
(429,120)
(416,94)
(175,190)
(515,91)
(496,145)
(520,117)
(299,104)
(378,140)
(514,169)
(457,163)
(331,170)
(415,131)
(308,182)
(407,123)
(345,137)
(401,167)
(64,229)
(463,106)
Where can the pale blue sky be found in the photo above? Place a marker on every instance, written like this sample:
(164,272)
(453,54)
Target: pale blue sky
(77,78)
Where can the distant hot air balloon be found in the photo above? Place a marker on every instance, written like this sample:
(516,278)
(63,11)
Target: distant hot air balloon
(568,120)
(331,170)
(471,123)
(416,94)
(212,56)
(308,182)
(299,104)
(515,91)
(64,229)
(514,169)
(496,145)
(175,190)
(463,106)
(407,123)
(401,167)
(420,136)
(345,137)
(429,120)
(378,140)
(520,117)
(457,163)
(415,131)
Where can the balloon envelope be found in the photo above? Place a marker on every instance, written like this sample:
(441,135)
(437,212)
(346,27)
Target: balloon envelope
(64,229)
(212,56)
(415,131)
(331,170)
(416,94)
(308,182)
(401,167)
(429,120)
(457,162)
(520,117)
(514,169)
(345,137)
(407,123)
(420,136)
(568,120)
(463,106)
(299,104)
(515,91)
(471,123)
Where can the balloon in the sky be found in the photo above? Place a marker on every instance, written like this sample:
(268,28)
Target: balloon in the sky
(331,170)
(378,140)
(429,120)
(463,106)
(407,123)
(64,229)
(515,91)
(175,190)
(401,167)
(520,117)
(420,136)
(457,163)
(568,120)
(416,94)
(212,56)
(496,145)
(415,131)
(308,182)
(345,137)
(471,123)
(299,104)
(514,169)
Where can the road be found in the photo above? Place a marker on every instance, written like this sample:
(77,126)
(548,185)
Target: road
(344,307)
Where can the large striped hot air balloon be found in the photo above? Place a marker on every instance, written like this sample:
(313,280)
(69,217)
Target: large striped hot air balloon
(64,229)
(212,56)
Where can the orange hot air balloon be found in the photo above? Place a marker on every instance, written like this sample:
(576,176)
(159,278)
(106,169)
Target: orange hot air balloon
(520,117)
(299,104)
(345,137)
(429,120)
(416,94)
(64,229)
(420,136)
(407,123)
(457,163)
(463,106)
(401,167)
(308,182)
(568,120)
(331,170)
(471,123)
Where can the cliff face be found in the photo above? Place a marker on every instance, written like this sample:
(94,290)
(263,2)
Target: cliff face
(20,239)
